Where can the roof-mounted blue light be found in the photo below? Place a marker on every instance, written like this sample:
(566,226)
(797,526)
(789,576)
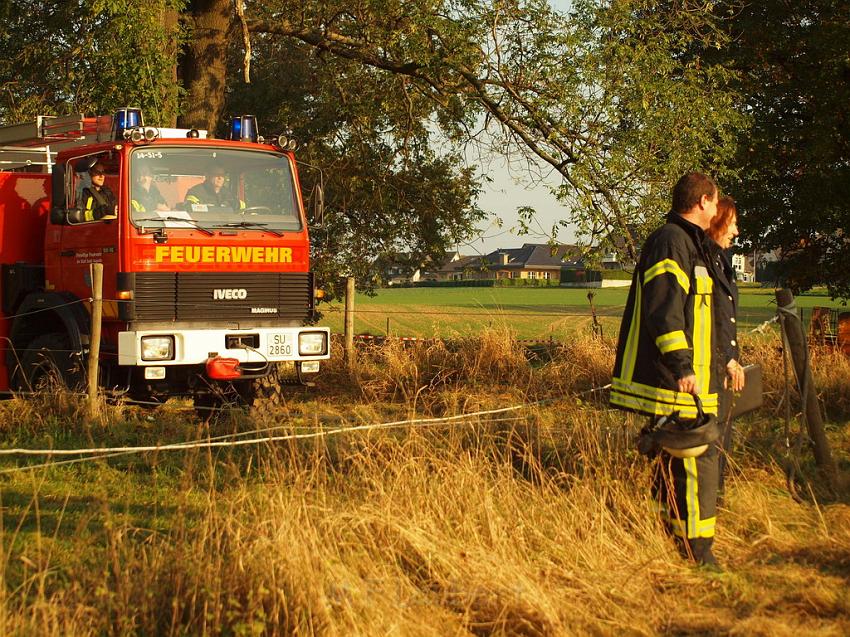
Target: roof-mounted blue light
(126,118)
(244,128)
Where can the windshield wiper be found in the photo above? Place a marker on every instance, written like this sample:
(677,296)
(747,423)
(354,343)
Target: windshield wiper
(190,221)
(251,224)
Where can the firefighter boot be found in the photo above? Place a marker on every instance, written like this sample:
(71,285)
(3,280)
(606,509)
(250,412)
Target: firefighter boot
(701,551)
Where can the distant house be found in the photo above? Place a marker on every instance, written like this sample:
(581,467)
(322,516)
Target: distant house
(616,259)
(399,270)
(745,267)
(403,270)
(456,267)
(611,261)
(767,263)
(532,261)
(398,275)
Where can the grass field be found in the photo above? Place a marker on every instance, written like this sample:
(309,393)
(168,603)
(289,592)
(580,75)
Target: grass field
(531,313)
(531,521)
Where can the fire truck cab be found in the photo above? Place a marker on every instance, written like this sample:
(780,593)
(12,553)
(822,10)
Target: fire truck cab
(205,253)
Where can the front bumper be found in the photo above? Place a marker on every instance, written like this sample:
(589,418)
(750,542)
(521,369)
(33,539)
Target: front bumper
(196,346)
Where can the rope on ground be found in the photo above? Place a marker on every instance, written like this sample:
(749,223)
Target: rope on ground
(132,450)
(222,441)
(181,446)
(608,311)
(380,339)
(47,309)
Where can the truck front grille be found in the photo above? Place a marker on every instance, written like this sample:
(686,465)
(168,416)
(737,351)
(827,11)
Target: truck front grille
(181,296)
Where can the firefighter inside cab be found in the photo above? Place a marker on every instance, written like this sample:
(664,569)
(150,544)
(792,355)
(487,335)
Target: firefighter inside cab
(211,194)
(97,201)
(146,194)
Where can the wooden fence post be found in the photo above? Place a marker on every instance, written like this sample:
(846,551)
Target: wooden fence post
(795,337)
(96,271)
(349,321)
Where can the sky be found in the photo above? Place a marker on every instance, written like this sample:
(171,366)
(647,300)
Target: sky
(507,191)
(500,198)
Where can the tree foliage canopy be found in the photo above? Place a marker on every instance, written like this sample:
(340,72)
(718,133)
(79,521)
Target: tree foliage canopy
(616,98)
(393,193)
(793,60)
(81,56)
(592,96)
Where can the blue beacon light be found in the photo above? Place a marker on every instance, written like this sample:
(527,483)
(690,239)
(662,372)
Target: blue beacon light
(243,128)
(127,118)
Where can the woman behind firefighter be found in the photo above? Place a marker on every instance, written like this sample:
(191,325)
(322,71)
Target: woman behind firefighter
(723,230)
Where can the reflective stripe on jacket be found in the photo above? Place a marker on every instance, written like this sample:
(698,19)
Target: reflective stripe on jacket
(146,200)
(202,194)
(667,332)
(98,204)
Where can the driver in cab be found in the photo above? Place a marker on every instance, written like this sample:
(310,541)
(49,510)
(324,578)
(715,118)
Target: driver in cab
(211,193)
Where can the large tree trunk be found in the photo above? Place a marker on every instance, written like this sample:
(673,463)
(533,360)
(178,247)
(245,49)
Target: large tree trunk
(203,65)
(171,23)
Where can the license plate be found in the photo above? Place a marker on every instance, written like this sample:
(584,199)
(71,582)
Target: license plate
(280,344)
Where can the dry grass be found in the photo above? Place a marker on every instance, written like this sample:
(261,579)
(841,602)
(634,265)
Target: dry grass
(830,369)
(533,526)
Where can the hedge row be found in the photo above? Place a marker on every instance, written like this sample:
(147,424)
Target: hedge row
(567,276)
(485,283)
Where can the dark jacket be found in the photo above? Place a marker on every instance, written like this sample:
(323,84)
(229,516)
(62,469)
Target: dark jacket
(725,306)
(204,194)
(146,200)
(97,204)
(667,332)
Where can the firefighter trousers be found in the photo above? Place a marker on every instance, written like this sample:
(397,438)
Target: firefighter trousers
(685,490)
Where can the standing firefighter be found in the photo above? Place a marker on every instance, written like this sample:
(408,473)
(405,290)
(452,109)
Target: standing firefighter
(665,361)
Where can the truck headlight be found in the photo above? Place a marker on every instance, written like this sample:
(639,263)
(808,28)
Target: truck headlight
(312,343)
(157,348)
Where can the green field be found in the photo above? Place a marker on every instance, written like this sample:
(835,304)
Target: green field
(532,313)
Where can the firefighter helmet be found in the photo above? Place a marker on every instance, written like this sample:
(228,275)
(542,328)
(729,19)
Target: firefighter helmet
(686,438)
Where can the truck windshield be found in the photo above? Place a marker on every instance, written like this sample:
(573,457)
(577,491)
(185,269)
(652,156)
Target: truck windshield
(184,187)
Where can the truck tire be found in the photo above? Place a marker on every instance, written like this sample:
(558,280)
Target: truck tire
(49,362)
(269,396)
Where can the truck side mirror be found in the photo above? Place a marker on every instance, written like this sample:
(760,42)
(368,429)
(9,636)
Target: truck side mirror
(74,215)
(57,215)
(317,206)
(57,194)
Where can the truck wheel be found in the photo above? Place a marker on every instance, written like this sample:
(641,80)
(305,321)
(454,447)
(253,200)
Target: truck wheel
(49,362)
(270,399)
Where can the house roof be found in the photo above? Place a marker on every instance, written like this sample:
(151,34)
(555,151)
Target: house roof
(530,255)
(535,255)
(457,263)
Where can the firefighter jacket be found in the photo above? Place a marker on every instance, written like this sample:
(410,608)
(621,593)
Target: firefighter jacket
(203,197)
(667,332)
(98,203)
(147,200)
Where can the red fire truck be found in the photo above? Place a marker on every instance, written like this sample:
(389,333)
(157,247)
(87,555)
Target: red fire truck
(206,258)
